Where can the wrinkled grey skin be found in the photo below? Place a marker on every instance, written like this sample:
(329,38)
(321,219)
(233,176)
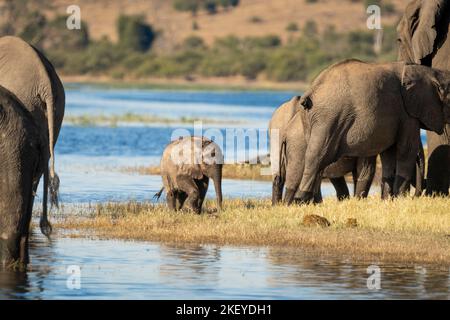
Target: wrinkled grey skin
(356,109)
(26,73)
(287,150)
(187,165)
(292,155)
(21,159)
(423,36)
(277,129)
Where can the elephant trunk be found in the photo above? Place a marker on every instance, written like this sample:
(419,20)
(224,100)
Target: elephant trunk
(218,186)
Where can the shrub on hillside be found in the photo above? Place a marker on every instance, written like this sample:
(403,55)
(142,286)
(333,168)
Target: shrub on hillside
(134,33)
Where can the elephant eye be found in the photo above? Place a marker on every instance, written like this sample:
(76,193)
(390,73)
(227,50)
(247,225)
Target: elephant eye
(213,154)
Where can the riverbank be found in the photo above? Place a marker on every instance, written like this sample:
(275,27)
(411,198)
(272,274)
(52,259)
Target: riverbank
(404,230)
(195,84)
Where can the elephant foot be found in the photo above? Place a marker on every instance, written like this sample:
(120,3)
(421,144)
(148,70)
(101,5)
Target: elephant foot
(289,196)
(401,186)
(342,197)
(277,190)
(387,188)
(305,197)
(46,227)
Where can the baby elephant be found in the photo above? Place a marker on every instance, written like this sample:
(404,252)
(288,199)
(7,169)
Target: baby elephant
(186,166)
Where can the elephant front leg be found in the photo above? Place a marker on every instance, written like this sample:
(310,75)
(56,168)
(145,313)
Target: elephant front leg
(188,185)
(171,200)
(277,189)
(203,189)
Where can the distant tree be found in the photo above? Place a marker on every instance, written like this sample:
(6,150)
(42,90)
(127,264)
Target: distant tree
(310,29)
(57,36)
(187,5)
(292,27)
(194,42)
(134,33)
(210,6)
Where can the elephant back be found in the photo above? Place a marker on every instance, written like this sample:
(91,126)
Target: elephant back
(23,73)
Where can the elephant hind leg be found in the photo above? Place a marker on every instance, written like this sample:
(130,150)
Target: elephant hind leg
(341,188)
(365,172)
(180,199)
(388,172)
(321,152)
(188,185)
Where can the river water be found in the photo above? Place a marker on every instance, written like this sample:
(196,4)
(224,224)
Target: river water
(89,162)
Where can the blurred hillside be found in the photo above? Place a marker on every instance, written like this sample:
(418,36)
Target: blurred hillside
(275,40)
(248,18)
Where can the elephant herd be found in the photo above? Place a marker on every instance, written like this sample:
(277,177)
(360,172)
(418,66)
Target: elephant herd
(352,112)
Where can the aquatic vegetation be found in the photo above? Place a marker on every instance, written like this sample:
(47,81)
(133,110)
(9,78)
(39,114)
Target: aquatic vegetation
(230,171)
(402,230)
(113,120)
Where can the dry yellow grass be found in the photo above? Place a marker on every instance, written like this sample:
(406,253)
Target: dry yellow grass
(404,230)
(230,171)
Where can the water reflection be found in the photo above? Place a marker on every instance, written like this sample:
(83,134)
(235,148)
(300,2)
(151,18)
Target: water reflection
(139,270)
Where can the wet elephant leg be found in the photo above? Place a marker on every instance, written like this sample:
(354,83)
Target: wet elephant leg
(341,188)
(188,185)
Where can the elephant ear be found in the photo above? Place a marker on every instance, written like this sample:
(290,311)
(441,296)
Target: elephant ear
(422,97)
(405,30)
(426,14)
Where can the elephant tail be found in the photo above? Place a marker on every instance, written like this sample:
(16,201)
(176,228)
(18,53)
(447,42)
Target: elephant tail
(158,194)
(53,178)
(44,224)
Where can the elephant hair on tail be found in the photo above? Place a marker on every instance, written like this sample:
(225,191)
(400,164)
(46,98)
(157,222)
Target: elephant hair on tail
(54,190)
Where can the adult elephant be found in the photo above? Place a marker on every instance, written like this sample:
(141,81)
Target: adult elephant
(187,165)
(22,159)
(423,36)
(360,109)
(362,168)
(287,149)
(27,73)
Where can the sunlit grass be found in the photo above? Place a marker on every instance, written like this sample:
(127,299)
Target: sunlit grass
(407,230)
